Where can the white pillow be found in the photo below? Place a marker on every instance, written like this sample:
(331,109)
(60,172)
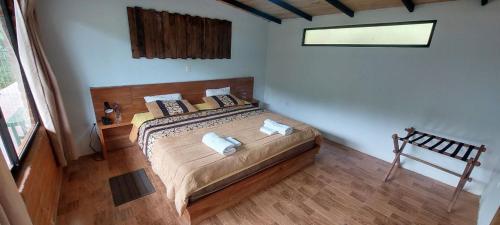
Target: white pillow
(219,91)
(167,97)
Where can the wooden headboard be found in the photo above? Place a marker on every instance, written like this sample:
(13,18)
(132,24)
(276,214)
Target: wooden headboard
(131,97)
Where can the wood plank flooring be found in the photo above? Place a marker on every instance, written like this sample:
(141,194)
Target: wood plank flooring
(343,187)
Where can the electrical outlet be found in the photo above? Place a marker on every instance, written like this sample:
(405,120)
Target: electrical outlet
(188,68)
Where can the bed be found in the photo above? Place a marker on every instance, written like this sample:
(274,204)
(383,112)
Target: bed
(199,181)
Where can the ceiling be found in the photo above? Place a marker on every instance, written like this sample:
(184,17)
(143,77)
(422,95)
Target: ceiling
(322,7)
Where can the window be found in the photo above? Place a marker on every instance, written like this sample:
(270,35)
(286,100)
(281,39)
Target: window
(18,116)
(402,34)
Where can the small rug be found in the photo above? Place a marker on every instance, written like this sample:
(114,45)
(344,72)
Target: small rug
(130,186)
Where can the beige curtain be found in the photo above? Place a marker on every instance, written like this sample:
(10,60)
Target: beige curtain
(12,208)
(42,81)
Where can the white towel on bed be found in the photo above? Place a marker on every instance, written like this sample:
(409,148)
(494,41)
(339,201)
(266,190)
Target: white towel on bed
(280,128)
(266,130)
(218,144)
(235,142)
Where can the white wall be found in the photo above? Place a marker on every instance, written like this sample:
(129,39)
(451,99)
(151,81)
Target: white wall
(87,43)
(490,199)
(361,96)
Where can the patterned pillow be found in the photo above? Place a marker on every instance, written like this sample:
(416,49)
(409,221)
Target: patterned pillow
(220,101)
(170,108)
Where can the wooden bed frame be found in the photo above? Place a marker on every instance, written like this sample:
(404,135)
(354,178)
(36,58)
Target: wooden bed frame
(130,99)
(212,204)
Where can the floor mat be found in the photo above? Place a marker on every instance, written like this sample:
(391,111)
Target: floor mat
(130,186)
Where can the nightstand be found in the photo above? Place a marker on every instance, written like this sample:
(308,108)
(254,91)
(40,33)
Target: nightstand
(114,136)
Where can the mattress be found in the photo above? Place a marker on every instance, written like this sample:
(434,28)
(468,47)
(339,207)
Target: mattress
(190,170)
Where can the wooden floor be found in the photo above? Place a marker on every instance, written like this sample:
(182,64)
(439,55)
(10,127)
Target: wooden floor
(342,187)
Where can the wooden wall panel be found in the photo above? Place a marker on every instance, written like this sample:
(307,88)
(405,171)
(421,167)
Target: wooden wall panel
(39,181)
(195,36)
(219,37)
(148,37)
(171,35)
(180,28)
(226,43)
(157,28)
(209,39)
(153,40)
(496,219)
(136,49)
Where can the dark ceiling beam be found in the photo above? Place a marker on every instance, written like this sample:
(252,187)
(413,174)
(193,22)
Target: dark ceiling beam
(409,5)
(340,6)
(252,10)
(292,8)
(484,2)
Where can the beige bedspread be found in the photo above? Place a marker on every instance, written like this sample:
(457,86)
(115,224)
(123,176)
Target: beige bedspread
(185,165)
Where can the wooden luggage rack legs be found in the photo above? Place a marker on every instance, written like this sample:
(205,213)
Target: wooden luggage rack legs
(465,152)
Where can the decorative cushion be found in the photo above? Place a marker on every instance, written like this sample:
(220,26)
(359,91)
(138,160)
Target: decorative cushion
(169,108)
(220,101)
(219,91)
(203,106)
(174,96)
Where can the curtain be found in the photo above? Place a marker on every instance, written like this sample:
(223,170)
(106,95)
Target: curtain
(12,208)
(42,81)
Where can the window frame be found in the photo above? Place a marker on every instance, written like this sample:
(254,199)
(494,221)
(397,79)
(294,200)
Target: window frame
(434,22)
(17,161)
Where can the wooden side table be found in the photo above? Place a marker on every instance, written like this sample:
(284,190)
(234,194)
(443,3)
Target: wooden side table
(114,136)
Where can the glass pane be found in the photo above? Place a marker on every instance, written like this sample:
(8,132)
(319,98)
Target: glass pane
(4,154)
(13,99)
(414,34)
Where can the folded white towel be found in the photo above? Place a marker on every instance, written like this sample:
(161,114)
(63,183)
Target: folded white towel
(266,130)
(235,142)
(218,144)
(280,128)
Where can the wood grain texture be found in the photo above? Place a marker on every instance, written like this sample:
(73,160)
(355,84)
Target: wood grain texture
(169,35)
(153,38)
(226,32)
(146,18)
(218,201)
(136,48)
(131,97)
(39,181)
(496,219)
(157,29)
(343,186)
(208,39)
(194,32)
(321,7)
(180,36)
(115,138)
(156,34)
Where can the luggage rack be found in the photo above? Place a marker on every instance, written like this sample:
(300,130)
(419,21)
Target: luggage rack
(464,152)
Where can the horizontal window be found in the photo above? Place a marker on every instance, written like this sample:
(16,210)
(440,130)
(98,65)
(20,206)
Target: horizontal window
(402,34)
